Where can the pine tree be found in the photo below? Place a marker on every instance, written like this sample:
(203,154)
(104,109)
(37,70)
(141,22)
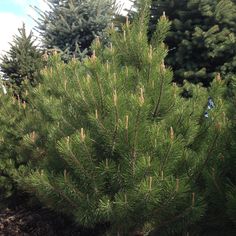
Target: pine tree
(113,143)
(217,183)
(221,182)
(72,25)
(12,117)
(231,196)
(23,61)
(202,37)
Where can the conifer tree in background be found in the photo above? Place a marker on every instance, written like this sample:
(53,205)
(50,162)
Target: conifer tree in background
(202,37)
(72,25)
(112,143)
(23,61)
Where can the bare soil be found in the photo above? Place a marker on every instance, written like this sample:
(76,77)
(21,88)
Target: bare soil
(37,222)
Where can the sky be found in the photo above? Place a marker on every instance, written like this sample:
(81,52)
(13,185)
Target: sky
(14,12)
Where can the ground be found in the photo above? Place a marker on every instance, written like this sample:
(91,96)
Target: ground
(37,222)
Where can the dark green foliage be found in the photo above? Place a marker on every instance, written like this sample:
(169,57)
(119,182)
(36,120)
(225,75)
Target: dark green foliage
(231,193)
(12,117)
(202,37)
(111,141)
(23,61)
(218,182)
(72,25)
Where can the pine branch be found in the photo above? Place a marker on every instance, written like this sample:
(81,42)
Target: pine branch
(209,152)
(100,92)
(116,127)
(167,156)
(173,219)
(157,108)
(133,152)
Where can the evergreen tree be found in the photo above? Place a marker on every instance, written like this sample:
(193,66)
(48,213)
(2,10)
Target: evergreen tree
(12,117)
(72,25)
(112,142)
(217,183)
(202,37)
(231,164)
(220,182)
(23,61)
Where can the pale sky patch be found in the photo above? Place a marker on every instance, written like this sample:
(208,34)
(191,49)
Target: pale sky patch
(9,23)
(14,12)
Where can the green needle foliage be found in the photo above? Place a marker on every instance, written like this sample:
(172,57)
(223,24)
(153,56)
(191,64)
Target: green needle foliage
(231,196)
(218,182)
(12,117)
(221,182)
(72,25)
(202,37)
(22,62)
(112,142)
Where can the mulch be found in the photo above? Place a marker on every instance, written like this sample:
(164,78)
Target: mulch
(37,222)
(23,223)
